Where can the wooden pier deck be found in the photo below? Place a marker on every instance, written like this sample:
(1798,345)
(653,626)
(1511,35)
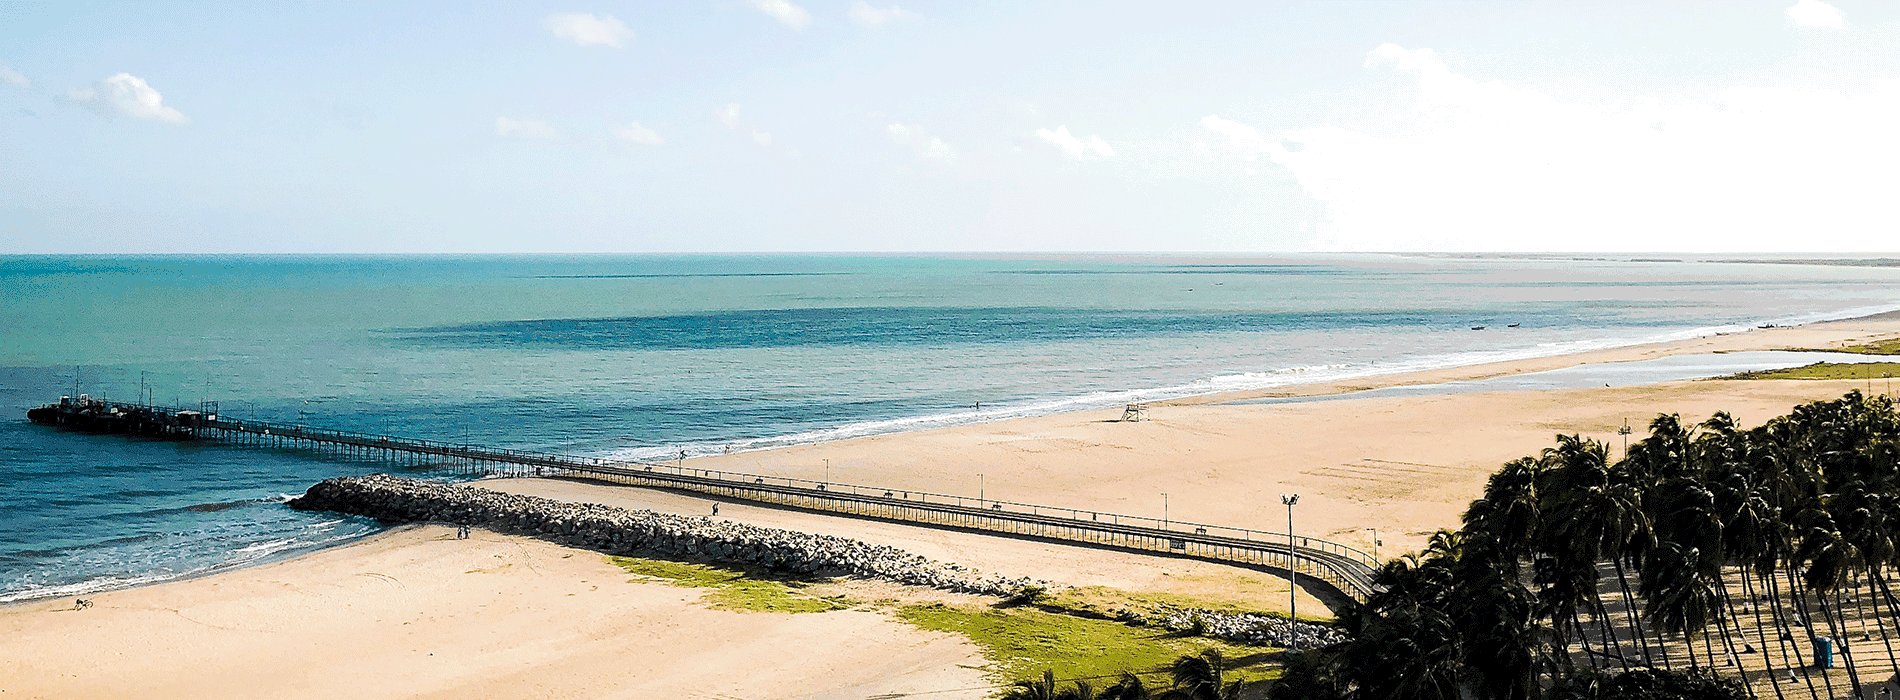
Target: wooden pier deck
(1344,569)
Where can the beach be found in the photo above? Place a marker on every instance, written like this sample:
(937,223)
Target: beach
(418,613)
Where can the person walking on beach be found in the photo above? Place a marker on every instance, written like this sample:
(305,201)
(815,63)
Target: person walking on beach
(715,509)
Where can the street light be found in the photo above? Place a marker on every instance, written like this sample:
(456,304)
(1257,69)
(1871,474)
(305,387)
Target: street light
(979,489)
(827,471)
(1625,432)
(1164,510)
(1293,575)
(1375,542)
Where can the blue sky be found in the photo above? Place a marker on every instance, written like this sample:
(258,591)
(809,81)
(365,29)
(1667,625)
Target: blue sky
(800,125)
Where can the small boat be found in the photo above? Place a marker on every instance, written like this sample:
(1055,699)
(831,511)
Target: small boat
(1477,328)
(1512,326)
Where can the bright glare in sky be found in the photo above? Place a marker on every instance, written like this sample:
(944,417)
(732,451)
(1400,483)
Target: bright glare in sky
(799,125)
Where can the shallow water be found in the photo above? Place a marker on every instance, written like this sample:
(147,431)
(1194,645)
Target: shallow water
(653,355)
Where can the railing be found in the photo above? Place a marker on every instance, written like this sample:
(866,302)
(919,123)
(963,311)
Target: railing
(1346,568)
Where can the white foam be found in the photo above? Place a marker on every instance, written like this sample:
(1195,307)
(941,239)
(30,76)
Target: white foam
(1245,381)
(107,583)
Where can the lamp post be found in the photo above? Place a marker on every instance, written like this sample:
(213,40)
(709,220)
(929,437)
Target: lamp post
(1375,542)
(979,490)
(1293,574)
(1164,510)
(827,472)
(1625,432)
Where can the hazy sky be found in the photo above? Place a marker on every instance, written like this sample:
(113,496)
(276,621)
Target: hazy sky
(828,125)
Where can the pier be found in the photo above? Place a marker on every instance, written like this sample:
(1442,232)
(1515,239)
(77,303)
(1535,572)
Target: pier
(1345,569)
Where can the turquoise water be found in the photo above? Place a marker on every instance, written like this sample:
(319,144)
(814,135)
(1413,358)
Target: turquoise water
(649,356)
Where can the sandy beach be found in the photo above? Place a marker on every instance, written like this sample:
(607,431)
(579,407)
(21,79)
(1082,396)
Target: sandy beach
(418,613)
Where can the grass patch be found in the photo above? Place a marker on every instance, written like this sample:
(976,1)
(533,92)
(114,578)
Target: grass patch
(733,589)
(1890,346)
(1022,641)
(1105,602)
(1827,370)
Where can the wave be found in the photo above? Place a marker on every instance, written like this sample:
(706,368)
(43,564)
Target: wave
(1221,384)
(162,557)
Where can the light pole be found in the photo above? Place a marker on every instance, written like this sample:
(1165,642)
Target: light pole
(1293,574)
(979,490)
(827,472)
(1375,542)
(1164,510)
(1625,432)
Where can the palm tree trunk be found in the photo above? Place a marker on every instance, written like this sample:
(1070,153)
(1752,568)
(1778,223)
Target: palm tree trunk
(1774,591)
(1807,619)
(1603,620)
(1884,594)
(1708,645)
(1767,659)
(1721,623)
(1604,631)
(1629,610)
(1830,612)
(1583,639)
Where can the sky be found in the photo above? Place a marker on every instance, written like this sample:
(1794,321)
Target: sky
(919,126)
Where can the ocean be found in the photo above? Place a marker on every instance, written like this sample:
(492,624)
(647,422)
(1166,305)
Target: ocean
(651,356)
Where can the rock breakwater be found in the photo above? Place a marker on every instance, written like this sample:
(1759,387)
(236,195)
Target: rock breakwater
(1250,628)
(636,532)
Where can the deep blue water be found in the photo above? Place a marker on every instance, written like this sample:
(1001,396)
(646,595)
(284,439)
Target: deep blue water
(647,356)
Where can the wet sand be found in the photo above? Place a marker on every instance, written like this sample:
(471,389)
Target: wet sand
(419,614)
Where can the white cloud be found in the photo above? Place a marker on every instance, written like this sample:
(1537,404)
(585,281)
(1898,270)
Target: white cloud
(588,30)
(635,133)
(784,11)
(523,128)
(1076,148)
(1484,165)
(1814,13)
(126,94)
(869,16)
(922,144)
(728,115)
(13,77)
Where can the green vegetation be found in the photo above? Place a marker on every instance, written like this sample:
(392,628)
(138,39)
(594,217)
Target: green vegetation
(1203,676)
(735,589)
(1827,370)
(1025,640)
(1890,346)
(1798,516)
(1113,603)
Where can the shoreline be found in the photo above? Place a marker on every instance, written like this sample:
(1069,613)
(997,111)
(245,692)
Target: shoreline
(1820,335)
(449,617)
(1524,360)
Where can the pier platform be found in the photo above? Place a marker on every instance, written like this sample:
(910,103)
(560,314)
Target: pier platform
(1345,570)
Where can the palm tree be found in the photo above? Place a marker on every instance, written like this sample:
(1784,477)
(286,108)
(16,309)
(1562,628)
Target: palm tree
(1677,598)
(1311,675)
(1830,557)
(1200,677)
(1128,687)
(1041,689)
(1078,690)
(1591,513)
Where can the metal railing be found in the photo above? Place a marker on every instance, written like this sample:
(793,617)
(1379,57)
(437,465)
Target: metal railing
(1347,569)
